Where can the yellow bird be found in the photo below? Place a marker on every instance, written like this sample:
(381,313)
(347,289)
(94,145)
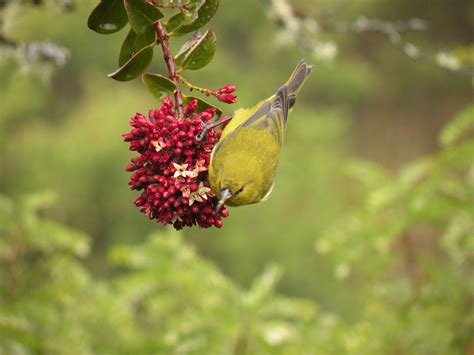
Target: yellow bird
(244,161)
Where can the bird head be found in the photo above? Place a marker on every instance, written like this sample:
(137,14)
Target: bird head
(241,184)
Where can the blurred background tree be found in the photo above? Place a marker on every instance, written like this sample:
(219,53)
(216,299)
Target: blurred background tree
(371,220)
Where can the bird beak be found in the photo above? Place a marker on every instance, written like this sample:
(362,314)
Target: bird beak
(225,195)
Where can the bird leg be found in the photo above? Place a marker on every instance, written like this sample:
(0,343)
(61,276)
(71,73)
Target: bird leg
(207,127)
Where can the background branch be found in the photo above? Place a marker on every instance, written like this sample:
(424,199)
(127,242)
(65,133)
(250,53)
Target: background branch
(305,30)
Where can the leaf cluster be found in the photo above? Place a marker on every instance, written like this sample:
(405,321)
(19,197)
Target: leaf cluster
(162,298)
(410,246)
(179,18)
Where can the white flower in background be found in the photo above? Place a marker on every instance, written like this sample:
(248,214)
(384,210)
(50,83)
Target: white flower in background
(361,24)
(448,61)
(282,10)
(325,50)
(411,50)
(304,31)
(342,271)
(284,38)
(37,51)
(417,24)
(311,25)
(277,334)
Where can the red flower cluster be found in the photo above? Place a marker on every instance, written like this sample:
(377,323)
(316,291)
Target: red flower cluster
(225,94)
(172,167)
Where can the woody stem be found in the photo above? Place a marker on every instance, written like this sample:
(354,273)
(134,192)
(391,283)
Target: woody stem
(163,40)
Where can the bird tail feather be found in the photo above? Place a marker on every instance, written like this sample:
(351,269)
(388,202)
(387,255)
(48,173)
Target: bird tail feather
(297,79)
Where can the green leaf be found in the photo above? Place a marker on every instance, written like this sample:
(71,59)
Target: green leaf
(459,127)
(190,16)
(201,52)
(134,42)
(165,3)
(186,16)
(202,105)
(141,15)
(177,24)
(369,174)
(186,47)
(108,17)
(158,85)
(263,286)
(135,65)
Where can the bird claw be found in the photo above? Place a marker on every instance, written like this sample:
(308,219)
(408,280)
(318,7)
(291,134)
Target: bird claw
(200,137)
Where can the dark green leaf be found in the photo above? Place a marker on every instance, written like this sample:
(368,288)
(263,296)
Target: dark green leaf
(108,17)
(134,42)
(202,105)
(201,53)
(141,15)
(460,126)
(190,12)
(177,24)
(158,85)
(190,16)
(135,65)
(186,47)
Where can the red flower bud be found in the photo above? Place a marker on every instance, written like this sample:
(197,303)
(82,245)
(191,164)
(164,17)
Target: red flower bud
(228,98)
(131,167)
(227,89)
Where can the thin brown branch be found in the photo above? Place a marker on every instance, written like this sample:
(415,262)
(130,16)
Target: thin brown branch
(192,87)
(306,31)
(413,270)
(163,40)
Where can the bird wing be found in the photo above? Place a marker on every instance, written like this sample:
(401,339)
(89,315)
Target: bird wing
(272,115)
(272,112)
(243,114)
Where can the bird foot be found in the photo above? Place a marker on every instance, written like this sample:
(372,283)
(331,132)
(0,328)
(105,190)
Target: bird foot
(200,137)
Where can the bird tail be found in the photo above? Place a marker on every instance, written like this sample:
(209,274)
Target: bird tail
(297,79)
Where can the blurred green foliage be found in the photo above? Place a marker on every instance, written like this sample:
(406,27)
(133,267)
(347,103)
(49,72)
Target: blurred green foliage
(371,261)
(163,298)
(412,242)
